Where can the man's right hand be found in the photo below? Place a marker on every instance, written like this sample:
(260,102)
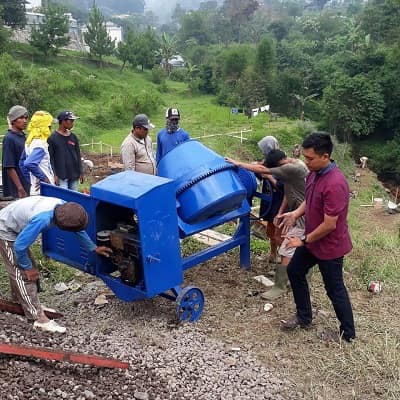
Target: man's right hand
(288,220)
(32,275)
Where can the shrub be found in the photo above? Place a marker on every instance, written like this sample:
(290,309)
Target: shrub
(122,107)
(178,74)
(158,75)
(86,85)
(147,102)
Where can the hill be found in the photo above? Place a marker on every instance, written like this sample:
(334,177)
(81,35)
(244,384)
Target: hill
(106,100)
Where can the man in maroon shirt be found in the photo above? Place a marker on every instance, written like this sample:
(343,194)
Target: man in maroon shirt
(326,238)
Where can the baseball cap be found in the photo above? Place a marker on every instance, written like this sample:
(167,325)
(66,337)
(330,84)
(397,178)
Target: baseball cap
(142,120)
(66,115)
(172,113)
(16,112)
(71,217)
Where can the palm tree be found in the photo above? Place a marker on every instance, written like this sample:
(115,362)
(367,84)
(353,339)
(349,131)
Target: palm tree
(302,101)
(192,70)
(167,50)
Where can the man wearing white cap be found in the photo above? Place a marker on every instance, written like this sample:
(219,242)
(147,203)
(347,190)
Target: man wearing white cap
(172,135)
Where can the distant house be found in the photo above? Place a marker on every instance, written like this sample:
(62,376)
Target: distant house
(176,61)
(33,4)
(114,31)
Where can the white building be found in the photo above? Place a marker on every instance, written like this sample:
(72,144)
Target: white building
(113,31)
(33,4)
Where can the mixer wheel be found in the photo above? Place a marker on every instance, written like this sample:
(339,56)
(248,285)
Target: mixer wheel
(189,304)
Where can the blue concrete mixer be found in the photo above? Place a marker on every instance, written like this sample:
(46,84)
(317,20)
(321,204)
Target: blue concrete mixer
(142,218)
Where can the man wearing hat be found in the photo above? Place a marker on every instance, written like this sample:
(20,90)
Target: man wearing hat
(65,153)
(136,149)
(171,135)
(21,223)
(14,183)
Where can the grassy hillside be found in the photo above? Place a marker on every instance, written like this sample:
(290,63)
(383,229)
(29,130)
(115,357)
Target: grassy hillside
(106,100)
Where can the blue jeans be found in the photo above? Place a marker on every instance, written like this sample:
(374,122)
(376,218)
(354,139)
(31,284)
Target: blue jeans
(71,184)
(332,275)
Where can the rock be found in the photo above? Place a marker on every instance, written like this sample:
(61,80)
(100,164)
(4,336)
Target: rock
(268,307)
(100,300)
(60,287)
(230,361)
(88,394)
(141,396)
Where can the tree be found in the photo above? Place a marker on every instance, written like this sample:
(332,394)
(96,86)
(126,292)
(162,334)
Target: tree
(126,49)
(381,20)
(265,58)
(353,105)
(234,62)
(194,26)
(146,48)
(167,49)
(96,37)
(178,13)
(301,100)
(256,28)
(239,11)
(4,34)
(251,91)
(13,13)
(52,33)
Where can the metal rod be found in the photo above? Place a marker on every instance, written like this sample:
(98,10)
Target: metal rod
(59,355)
(16,308)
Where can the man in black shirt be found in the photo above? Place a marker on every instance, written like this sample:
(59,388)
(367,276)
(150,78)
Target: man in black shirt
(65,154)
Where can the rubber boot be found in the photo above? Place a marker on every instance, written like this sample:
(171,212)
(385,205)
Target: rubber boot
(280,283)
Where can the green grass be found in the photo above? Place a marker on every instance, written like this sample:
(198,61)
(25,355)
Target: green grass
(104,99)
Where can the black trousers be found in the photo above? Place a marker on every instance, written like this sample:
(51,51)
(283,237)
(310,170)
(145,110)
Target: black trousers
(332,275)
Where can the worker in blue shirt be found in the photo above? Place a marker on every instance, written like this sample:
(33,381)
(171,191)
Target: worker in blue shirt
(21,223)
(172,135)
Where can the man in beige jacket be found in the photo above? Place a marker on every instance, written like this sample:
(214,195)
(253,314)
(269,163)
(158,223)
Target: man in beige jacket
(136,149)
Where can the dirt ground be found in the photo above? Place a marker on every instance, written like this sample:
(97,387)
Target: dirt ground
(317,370)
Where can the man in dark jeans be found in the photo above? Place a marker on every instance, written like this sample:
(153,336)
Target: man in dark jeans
(326,238)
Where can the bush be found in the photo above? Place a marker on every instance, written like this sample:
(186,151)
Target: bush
(18,87)
(122,107)
(158,75)
(178,74)
(86,85)
(146,102)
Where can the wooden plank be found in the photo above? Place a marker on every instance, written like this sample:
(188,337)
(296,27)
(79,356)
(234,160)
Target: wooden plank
(16,308)
(205,239)
(211,237)
(63,356)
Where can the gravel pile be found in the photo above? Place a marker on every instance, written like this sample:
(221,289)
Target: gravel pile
(167,360)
